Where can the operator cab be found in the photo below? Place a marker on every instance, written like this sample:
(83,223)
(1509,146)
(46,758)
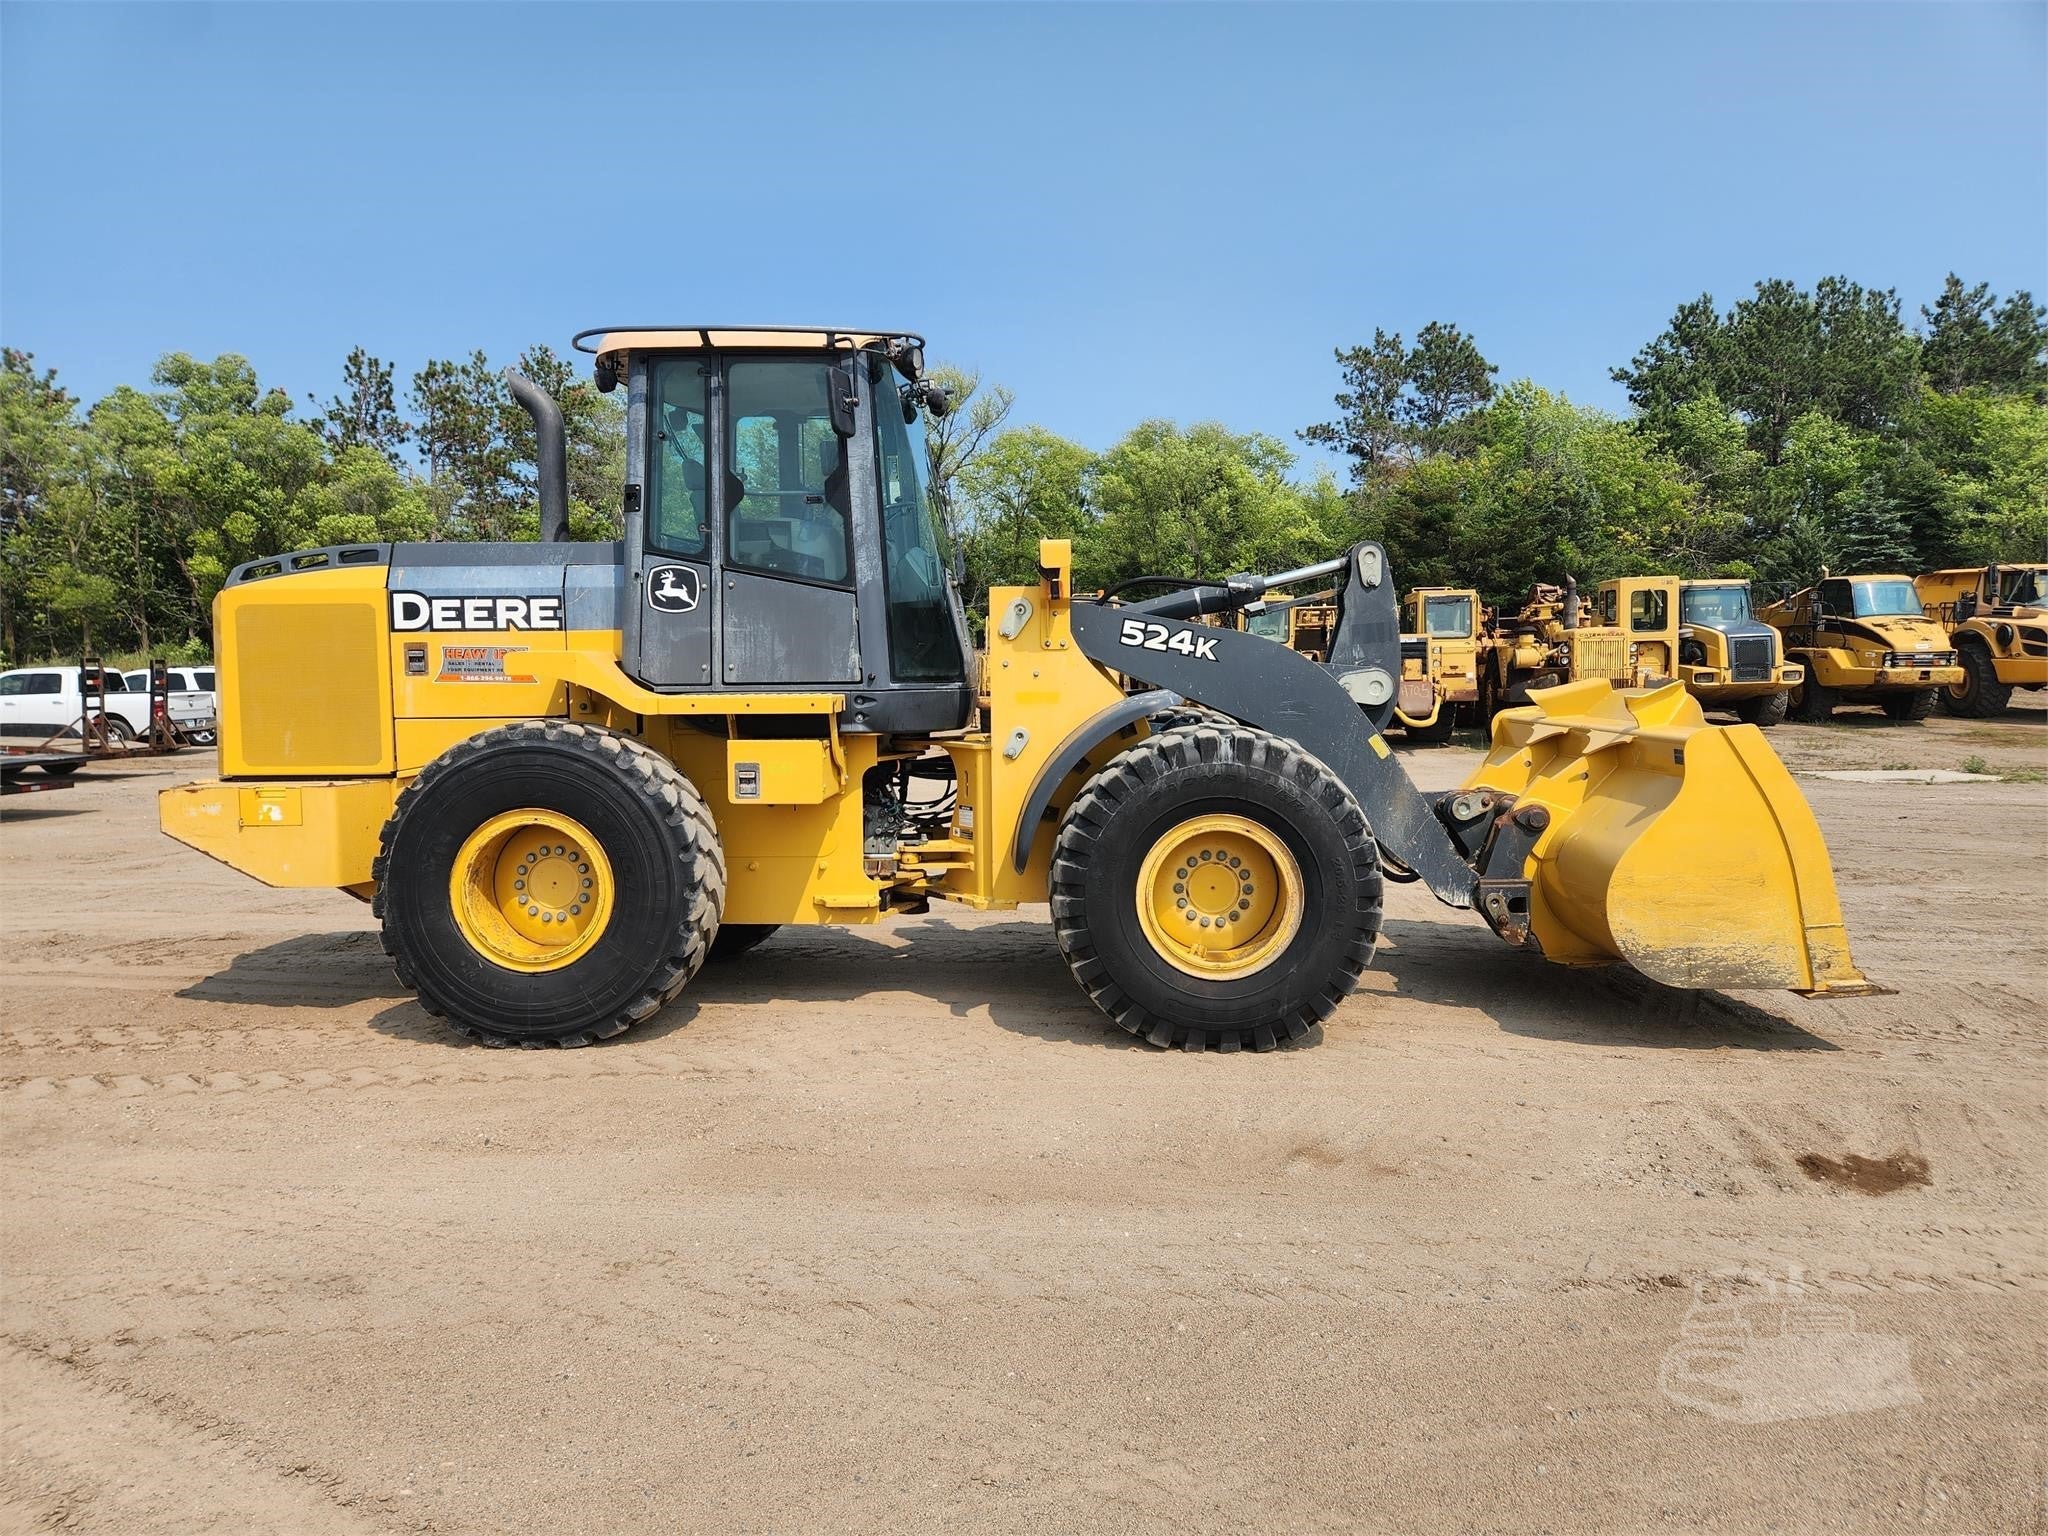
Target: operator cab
(778,532)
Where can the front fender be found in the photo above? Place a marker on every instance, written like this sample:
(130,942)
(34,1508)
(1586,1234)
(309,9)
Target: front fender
(1081,741)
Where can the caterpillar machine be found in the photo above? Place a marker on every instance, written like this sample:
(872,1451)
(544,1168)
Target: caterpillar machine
(566,773)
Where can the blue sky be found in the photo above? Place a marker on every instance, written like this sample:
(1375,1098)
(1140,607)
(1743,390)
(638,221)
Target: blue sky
(1119,212)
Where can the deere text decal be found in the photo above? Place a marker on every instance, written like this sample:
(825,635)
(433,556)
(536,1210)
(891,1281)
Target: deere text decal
(414,611)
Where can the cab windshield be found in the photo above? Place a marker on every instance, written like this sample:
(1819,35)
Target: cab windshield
(1448,617)
(1714,607)
(1890,599)
(924,645)
(2023,588)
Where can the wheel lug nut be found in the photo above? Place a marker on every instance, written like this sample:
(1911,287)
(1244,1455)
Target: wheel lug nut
(1189,916)
(518,885)
(1182,902)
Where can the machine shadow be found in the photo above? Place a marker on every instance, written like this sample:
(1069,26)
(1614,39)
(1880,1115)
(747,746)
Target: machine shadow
(312,970)
(1460,967)
(1011,973)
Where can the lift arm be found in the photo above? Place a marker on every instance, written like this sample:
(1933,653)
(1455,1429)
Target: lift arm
(1267,685)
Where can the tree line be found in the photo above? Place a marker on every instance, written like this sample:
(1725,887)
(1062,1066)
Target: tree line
(1794,430)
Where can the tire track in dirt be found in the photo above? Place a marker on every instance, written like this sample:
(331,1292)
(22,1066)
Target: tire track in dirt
(83,1454)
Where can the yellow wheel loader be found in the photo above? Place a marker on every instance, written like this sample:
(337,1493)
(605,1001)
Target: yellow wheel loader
(1996,616)
(565,774)
(1863,640)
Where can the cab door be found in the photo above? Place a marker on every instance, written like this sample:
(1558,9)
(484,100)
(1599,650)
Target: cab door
(668,632)
(785,502)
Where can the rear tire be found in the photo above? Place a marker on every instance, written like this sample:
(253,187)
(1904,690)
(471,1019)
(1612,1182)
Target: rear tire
(1813,703)
(629,839)
(1765,710)
(1917,705)
(1980,695)
(735,939)
(118,731)
(1150,824)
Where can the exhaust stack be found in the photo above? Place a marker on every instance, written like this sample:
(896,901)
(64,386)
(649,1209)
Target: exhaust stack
(551,458)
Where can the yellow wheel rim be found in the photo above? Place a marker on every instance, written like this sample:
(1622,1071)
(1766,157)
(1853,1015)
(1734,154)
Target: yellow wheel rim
(531,890)
(1220,897)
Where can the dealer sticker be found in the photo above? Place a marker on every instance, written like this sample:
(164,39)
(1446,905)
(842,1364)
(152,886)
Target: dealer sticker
(481,664)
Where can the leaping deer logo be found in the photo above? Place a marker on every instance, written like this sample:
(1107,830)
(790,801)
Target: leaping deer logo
(672,589)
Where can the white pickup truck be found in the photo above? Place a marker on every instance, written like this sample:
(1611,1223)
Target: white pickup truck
(37,703)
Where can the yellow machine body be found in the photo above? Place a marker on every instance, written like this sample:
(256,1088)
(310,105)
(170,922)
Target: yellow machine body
(1713,673)
(1439,655)
(1681,849)
(1862,658)
(1979,606)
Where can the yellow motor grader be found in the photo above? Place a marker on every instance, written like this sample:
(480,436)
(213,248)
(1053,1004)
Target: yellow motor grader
(566,774)
(1996,616)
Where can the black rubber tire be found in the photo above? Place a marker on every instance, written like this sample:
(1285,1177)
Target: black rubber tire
(654,829)
(734,939)
(119,731)
(58,770)
(1765,710)
(1904,707)
(1438,730)
(1980,696)
(1189,771)
(1813,703)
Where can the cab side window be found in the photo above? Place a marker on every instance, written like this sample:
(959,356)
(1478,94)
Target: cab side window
(786,490)
(1834,596)
(1608,608)
(679,512)
(1648,608)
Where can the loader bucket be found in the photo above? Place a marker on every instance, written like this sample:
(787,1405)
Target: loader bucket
(1683,849)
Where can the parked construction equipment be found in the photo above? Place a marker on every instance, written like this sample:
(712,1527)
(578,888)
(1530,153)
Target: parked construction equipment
(1863,640)
(1729,659)
(564,773)
(1996,617)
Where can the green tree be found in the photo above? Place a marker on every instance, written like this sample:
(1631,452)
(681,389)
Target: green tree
(1369,428)
(953,441)
(1448,378)
(1022,486)
(39,453)
(1782,353)
(1972,342)
(364,414)
(1200,503)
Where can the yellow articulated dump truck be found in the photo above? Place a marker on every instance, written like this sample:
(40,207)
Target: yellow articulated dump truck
(1863,640)
(1727,658)
(1996,617)
(567,774)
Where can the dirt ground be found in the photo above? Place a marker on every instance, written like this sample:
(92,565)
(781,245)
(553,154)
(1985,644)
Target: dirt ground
(887,1231)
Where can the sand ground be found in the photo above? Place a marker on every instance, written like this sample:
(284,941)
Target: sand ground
(887,1231)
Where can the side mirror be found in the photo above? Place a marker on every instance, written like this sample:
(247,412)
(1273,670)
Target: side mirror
(842,395)
(959,566)
(936,398)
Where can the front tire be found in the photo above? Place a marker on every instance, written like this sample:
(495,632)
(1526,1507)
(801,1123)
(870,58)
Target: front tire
(1438,730)
(1812,702)
(546,883)
(1766,710)
(1980,695)
(1215,887)
(1917,705)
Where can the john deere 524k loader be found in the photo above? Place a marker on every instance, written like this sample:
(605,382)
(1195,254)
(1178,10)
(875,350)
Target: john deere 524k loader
(565,773)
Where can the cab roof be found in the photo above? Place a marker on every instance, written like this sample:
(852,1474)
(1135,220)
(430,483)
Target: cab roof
(610,341)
